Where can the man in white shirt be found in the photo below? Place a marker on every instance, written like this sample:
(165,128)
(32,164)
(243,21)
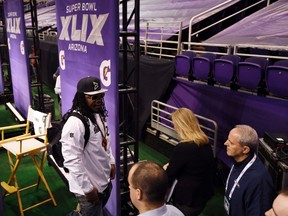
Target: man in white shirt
(91,166)
(148,183)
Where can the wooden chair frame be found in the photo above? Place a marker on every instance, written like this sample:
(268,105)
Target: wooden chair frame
(17,148)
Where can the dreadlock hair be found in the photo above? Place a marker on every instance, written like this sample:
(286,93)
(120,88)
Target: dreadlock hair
(80,104)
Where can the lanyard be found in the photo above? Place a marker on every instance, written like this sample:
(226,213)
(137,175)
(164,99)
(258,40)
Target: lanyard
(103,133)
(239,177)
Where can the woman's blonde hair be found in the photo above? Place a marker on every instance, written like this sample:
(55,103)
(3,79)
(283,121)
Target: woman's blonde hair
(187,126)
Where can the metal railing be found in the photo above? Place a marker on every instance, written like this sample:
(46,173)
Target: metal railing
(158,42)
(253,50)
(199,48)
(162,123)
(217,7)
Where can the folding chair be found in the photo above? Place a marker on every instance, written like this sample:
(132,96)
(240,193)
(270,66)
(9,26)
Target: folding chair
(30,144)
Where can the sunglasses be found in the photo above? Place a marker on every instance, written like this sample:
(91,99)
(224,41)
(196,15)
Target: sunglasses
(96,97)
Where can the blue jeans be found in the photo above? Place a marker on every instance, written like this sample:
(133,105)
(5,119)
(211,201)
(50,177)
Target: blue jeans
(88,209)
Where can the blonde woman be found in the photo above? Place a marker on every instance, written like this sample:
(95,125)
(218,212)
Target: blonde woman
(192,164)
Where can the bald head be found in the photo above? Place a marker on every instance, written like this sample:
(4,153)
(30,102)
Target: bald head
(280,206)
(151,179)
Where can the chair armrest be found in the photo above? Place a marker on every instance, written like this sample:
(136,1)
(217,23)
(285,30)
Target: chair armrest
(13,138)
(30,137)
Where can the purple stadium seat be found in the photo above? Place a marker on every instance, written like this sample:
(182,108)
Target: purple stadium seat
(277,79)
(225,69)
(283,63)
(183,64)
(250,73)
(202,66)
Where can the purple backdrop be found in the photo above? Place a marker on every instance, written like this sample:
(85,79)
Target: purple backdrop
(16,39)
(88,41)
(229,108)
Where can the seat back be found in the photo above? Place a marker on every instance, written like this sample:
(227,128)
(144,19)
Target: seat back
(277,79)
(24,130)
(183,64)
(262,62)
(283,63)
(40,121)
(202,66)
(251,72)
(225,69)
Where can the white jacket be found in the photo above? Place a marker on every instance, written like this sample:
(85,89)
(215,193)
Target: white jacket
(90,167)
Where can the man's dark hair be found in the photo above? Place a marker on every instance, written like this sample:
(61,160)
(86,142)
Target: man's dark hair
(80,104)
(152,180)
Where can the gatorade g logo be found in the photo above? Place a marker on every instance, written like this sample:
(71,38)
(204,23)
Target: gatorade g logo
(62,59)
(105,73)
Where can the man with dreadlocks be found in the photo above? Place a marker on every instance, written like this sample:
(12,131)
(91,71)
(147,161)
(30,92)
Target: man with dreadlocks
(91,166)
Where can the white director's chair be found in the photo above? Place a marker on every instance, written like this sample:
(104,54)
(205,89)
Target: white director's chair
(30,144)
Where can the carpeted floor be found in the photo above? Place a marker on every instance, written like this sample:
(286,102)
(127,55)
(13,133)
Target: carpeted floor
(27,174)
(65,200)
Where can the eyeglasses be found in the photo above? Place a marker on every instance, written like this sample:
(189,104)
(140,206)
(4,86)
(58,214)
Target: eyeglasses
(97,96)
